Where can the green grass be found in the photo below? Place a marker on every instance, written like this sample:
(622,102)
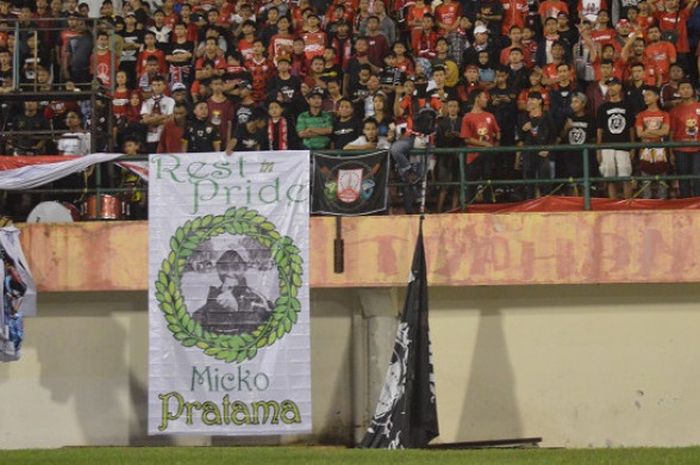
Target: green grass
(331,455)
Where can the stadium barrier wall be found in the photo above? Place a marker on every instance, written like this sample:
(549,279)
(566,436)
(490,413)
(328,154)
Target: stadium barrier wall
(581,366)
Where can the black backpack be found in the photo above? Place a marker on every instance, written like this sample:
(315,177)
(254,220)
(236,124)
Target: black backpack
(425,120)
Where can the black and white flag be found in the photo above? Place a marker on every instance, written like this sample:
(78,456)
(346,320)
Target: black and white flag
(350,185)
(406,413)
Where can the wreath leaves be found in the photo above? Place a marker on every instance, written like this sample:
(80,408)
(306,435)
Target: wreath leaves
(240,347)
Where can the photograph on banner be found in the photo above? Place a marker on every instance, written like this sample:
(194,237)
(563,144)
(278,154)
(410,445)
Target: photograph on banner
(228,297)
(350,185)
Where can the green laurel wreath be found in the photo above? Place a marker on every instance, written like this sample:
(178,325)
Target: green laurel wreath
(244,346)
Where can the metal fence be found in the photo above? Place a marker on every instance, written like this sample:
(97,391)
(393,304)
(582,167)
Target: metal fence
(462,183)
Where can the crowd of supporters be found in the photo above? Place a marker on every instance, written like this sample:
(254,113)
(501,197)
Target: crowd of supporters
(209,75)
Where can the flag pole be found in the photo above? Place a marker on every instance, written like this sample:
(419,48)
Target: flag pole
(424,181)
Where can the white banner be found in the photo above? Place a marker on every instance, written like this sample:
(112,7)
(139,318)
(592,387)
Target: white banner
(229,298)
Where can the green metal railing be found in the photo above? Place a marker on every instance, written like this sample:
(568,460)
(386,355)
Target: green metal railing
(462,183)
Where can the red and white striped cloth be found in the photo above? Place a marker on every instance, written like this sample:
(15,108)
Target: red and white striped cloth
(28,172)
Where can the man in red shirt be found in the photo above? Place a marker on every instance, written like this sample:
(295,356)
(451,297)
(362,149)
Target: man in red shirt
(173,131)
(314,38)
(480,129)
(447,16)
(212,56)
(514,14)
(552,8)
(378,44)
(676,22)
(652,125)
(261,70)
(282,43)
(685,126)
(659,53)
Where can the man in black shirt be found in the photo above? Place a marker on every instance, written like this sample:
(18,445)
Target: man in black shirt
(30,120)
(615,124)
(284,87)
(634,93)
(536,128)
(579,128)
(346,127)
(250,136)
(201,135)
(504,108)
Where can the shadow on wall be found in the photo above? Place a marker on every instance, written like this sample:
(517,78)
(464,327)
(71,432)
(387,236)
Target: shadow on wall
(82,351)
(81,356)
(490,410)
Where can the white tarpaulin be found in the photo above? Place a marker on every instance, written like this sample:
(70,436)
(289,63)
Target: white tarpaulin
(28,172)
(228,297)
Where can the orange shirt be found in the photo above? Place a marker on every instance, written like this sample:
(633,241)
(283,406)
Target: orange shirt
(661,54)
(551,8)
(314,44)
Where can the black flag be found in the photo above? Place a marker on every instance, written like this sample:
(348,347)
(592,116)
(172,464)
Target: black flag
(350,185)
(406,413)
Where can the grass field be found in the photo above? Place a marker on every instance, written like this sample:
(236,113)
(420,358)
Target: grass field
(331,455)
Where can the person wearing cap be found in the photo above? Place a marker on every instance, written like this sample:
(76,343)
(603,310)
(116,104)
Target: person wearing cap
(246,105)
(251,136)
(315,126)
(481,42)
(579,128)
(653,125)
(615,123)
(536,128)
(233,307)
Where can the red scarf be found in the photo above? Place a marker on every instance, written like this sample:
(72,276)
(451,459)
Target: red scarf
(280,137)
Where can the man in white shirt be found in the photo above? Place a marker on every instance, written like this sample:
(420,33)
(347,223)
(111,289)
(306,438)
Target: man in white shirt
(76,141)
(155,112)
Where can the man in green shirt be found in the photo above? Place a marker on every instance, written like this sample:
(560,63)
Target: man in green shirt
(314,127)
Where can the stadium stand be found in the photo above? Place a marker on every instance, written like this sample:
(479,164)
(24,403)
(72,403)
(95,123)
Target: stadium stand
(245,75)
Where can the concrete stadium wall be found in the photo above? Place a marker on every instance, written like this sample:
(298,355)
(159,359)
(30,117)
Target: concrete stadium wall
(591,365)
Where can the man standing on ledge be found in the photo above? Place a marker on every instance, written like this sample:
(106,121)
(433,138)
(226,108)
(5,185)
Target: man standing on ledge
(315,126)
